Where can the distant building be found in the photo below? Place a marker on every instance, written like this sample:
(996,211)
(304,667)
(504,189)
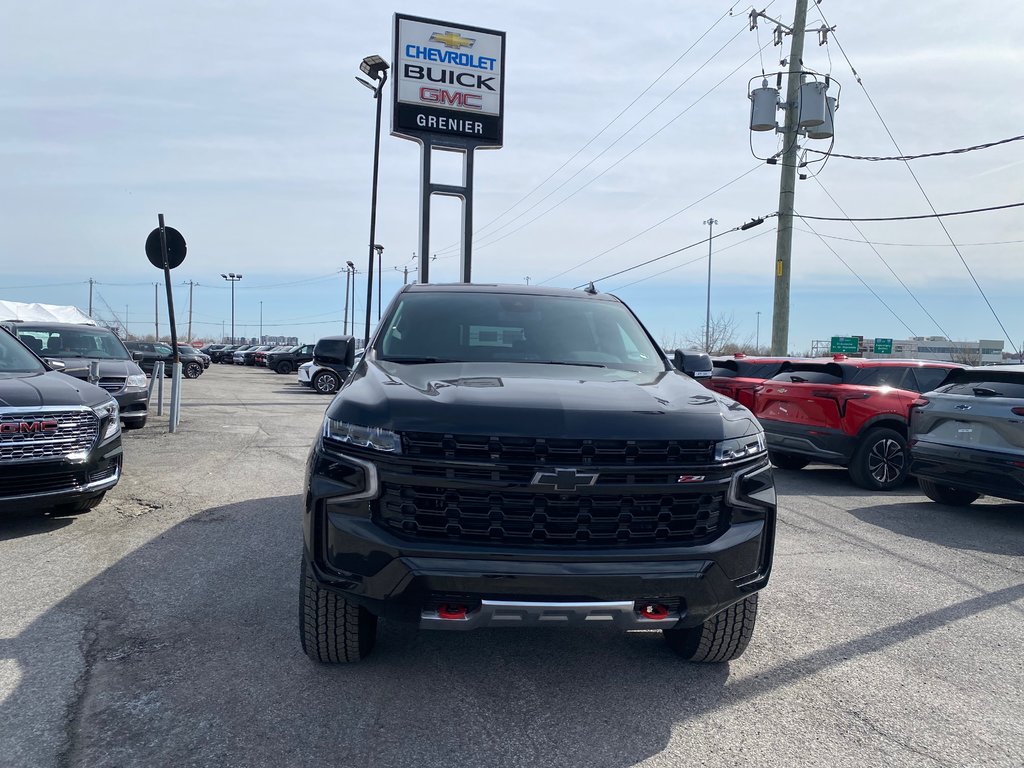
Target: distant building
(981,352)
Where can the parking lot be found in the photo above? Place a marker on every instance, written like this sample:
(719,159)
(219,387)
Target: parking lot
(161,630)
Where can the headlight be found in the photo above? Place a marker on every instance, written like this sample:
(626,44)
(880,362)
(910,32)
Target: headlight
(363,437)
(136,380)
(112,414)
(741,448)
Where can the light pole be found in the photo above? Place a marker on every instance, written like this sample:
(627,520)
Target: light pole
(380,276)
(707,321)
(261,322)
(349,269)
(757,337)
(232,278)
(375,68)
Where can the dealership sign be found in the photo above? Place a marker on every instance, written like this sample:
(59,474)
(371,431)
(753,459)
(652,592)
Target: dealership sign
(449,82)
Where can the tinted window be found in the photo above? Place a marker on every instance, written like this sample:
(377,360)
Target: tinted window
(926,379)
(809,377)
(987,388)
(752,370)
(881,376)
(14,358)
(484,327)
(77,341)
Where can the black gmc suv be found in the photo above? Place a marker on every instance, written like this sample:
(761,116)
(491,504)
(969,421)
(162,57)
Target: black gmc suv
(513,455)
(60,438)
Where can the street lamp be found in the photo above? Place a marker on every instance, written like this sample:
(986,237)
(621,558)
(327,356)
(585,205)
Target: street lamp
(232,278)
(380,276)
(375,68)
(707,321)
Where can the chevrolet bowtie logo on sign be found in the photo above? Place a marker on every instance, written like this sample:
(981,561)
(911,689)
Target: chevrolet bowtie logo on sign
(564,479)
(452,40)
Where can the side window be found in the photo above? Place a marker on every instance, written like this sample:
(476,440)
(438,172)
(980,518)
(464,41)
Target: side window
(925,379)
(161,349)
(882,376)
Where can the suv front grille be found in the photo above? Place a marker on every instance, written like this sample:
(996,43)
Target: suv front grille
(531,518)
(557,451)
(75,432)
(112,383)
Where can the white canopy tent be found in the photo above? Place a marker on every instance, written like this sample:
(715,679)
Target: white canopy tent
(53,313)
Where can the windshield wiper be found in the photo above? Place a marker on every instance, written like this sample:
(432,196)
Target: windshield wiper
(416,360)
(557,362)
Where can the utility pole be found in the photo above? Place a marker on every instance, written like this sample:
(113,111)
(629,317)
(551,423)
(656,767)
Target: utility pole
(126,334)
(527,279)
(349,269)
(261,322)
(757,337)
(191,284)
(380,277)
(156,311)
(707,320)
(91,281)
(787,186)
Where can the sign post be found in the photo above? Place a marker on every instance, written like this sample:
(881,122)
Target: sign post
(448,94)
(165,249)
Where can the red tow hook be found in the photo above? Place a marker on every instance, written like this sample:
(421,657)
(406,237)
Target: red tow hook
(657,612)
(448,611)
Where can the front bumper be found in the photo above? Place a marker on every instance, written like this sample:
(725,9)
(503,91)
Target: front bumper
(42,484)
(832,446)
(407,579)
(986,472)
(132,403)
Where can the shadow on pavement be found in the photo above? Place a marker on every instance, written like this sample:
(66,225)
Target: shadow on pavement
(994,528)
(15,525)
(189,655)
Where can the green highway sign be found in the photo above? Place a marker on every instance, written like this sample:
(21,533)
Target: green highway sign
(883,346)
(845,345)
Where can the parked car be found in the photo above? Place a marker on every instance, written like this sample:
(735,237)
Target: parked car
(186,350)
(260,359)
(223,355)
(739,377)
(211,348)
(287,361)
(76,346)
(305,373)
(515,455)
(248,356)
(332,364)
(967,436)
(147,353)
(848,411)
(60,439)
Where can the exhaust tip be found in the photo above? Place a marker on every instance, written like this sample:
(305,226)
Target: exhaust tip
(654,611)
(452,612)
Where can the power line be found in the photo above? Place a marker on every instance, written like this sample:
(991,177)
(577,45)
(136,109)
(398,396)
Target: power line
(908,245)
(600,132)
(925,194)
(688,263)
(608,168)
(904,158)
(671,253)
(653,226)
(935,215)
(45,285)
(863,282)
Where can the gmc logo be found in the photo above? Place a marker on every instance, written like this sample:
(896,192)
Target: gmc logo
(28,427)
(456,99)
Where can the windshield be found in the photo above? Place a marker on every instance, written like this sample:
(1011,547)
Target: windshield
(516,328)
(80,341)
(14,358)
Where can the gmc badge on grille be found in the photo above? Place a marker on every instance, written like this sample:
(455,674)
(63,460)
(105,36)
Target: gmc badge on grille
(27,427)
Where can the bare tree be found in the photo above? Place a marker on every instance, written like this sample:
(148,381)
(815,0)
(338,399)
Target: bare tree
(965,355)
(721,338)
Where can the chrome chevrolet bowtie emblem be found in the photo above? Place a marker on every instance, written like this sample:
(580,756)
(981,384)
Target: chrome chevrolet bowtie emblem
(962,407)
(564,479)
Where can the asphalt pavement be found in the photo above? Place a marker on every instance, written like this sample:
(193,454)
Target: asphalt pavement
(161,629)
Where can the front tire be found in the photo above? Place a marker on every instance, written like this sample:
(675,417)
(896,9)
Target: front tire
(326,383)
(789,461)
(284,367)
(880,462)
(193,370)
(947,494)
(332,629)
(723,637)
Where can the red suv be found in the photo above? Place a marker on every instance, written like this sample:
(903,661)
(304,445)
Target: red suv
(848,411)
(739,377)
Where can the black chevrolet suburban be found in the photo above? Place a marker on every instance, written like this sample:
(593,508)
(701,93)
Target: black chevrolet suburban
(60,438)
(514,456)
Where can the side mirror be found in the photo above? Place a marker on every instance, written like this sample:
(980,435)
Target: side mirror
(350,352)
(57,365)
(696,365)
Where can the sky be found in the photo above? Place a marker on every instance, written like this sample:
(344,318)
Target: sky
(243,124)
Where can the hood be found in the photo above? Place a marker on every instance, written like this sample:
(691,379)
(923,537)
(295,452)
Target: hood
(30,390)
(535,400)
(79,367)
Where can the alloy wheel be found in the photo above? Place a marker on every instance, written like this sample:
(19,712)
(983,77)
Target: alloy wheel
(886,461)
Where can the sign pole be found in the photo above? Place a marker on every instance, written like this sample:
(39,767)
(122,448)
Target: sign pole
(176,366)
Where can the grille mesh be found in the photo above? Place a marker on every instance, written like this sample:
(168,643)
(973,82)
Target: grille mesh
(76,431)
